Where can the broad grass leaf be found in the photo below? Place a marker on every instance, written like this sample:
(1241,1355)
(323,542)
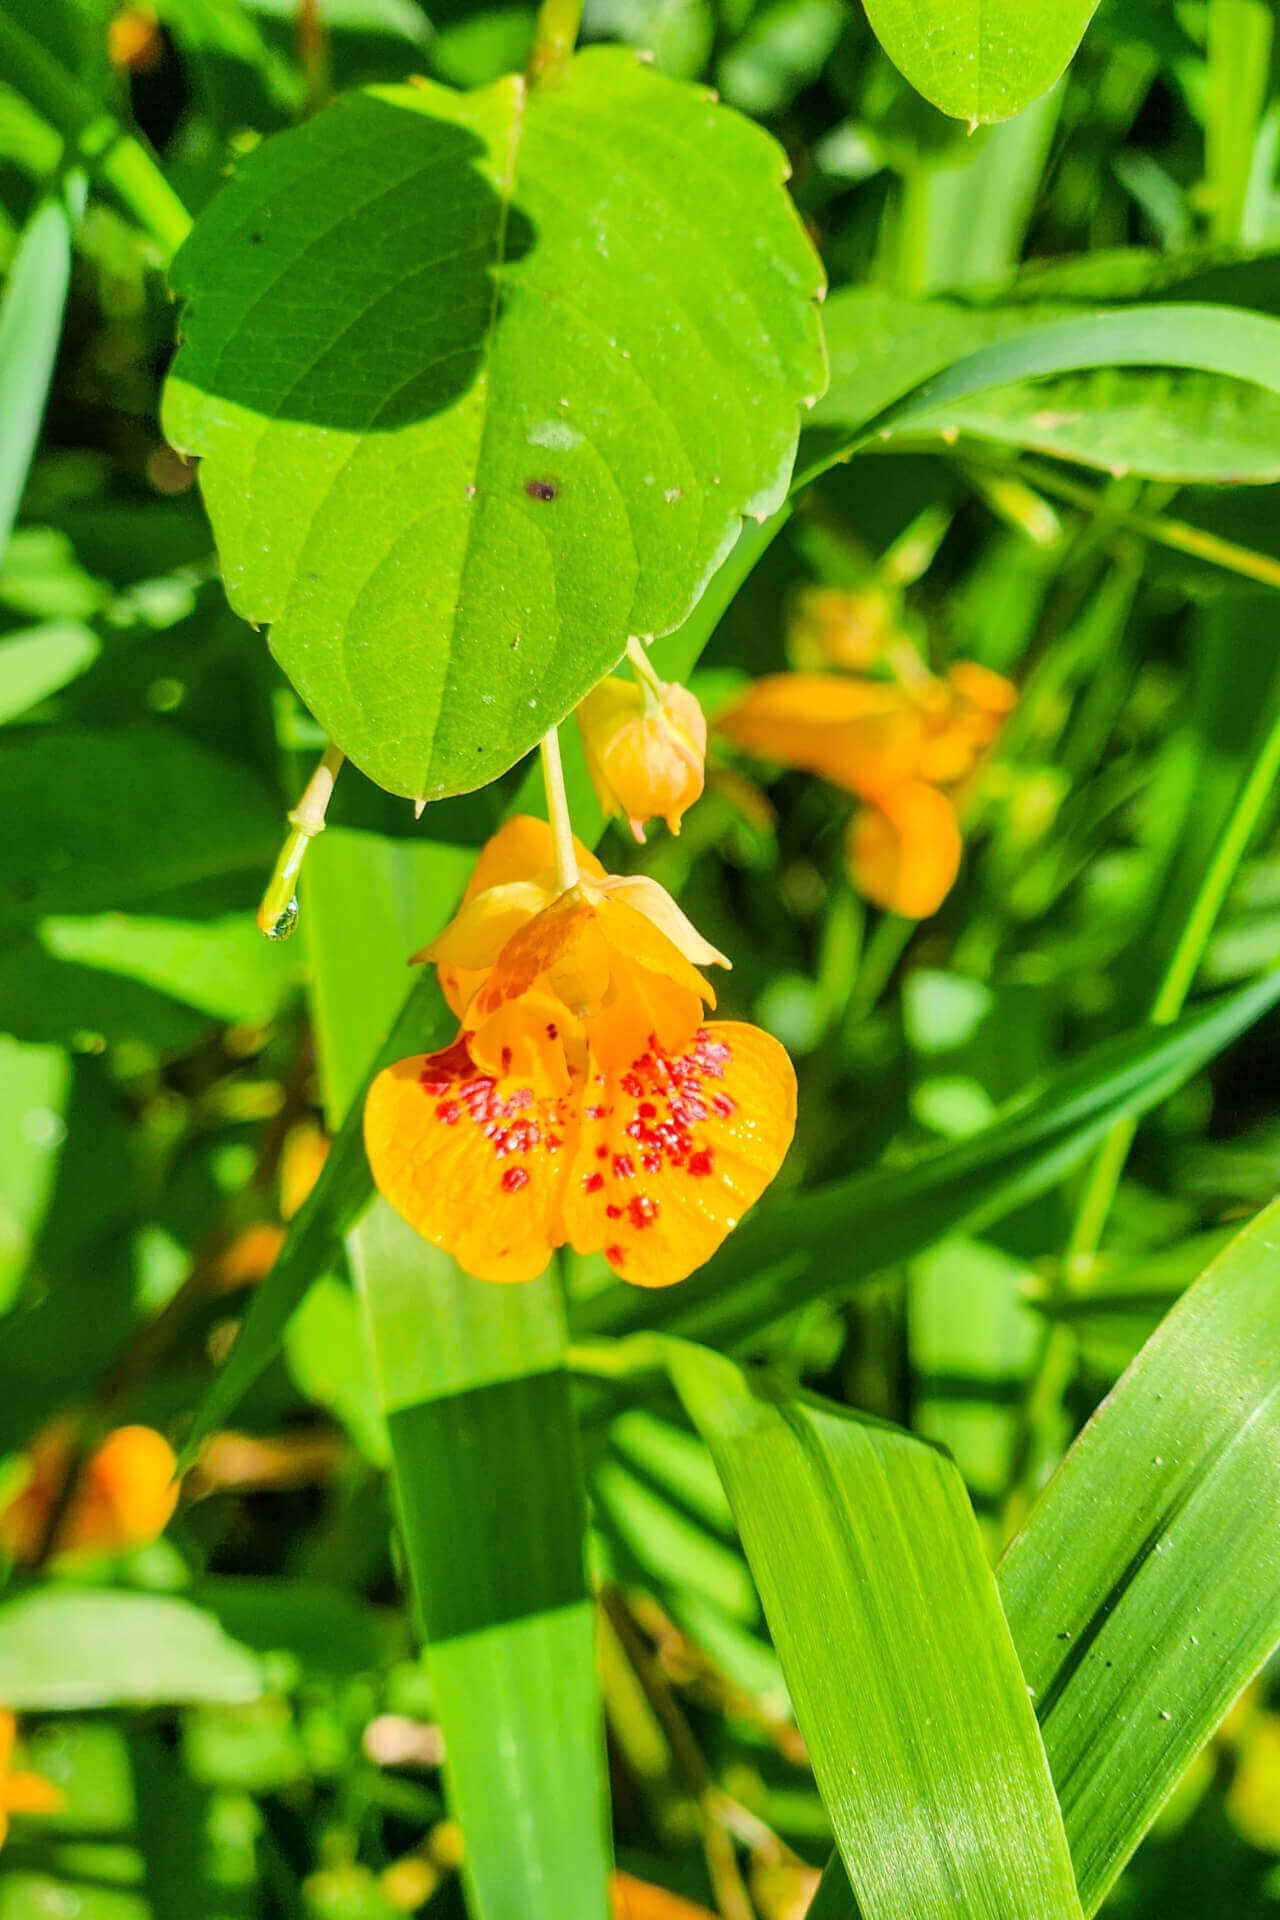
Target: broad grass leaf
(1144,1590)
(1158,420)
(483,384)
(91,822)
(885,1615)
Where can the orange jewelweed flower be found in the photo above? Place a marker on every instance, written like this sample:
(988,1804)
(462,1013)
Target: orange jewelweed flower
(646,750)
(22,1792)
(586,1100)
(903,747)
(124,1495)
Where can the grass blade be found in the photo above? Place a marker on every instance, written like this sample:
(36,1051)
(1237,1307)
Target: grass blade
(1144,1591)
(903,1673)
(30,327)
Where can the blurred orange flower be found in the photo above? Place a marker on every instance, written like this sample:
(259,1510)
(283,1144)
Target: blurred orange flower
(123,1497)
(903,747)
(584,1100)
(633,1899)
(21,1792)
(134,39)
(646,749)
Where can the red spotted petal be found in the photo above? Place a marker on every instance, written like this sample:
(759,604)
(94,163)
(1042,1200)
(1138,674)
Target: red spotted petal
(475,1162)
(673,1151)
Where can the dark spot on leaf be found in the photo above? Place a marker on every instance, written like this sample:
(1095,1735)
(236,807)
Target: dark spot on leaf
(541,489)
(255,239)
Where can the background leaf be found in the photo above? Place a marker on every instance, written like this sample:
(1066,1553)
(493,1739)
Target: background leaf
(68,1647)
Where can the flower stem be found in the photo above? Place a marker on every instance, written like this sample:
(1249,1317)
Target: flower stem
(558,812)
(642,667)
(554,35)
(278,913)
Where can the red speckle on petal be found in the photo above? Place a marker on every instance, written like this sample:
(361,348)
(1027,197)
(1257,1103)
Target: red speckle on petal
(701,1163)
(592,1182)
(513,1179)
(624,1167)
(448,1113)
(642,1211)
(615,1256)
(613,1212)
(723,1104)
(602,1152)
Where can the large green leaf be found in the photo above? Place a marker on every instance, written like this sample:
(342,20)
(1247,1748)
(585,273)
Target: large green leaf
(980,59)
(1144,1590)
(484,1445)
(903,1673)
(484,383)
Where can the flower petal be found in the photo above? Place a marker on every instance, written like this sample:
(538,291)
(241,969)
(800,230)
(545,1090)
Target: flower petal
(482,927)
(862,734)
(904,852)
(674,1151)
(523,848)
(476,1163)
(637,890)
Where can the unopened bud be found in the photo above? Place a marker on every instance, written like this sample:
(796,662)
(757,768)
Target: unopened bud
(838,627)
(646,748)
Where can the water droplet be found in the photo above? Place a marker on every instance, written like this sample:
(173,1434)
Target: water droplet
(283,926)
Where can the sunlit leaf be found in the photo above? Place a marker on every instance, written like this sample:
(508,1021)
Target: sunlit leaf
(484,384)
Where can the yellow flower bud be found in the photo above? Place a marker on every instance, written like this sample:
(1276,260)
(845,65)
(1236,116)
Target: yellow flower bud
(646,750)
(839,627)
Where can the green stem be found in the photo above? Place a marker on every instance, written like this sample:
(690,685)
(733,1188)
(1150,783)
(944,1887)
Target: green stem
(558,812)
(278,912)
(1175,534)
(555,35)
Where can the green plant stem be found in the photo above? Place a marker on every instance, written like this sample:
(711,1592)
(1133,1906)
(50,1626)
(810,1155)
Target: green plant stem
(1175,534)
(558,811)
(112,155)
(555,35)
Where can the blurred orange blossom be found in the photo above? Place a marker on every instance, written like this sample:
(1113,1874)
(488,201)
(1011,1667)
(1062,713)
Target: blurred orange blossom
(902,747)
(124,1494)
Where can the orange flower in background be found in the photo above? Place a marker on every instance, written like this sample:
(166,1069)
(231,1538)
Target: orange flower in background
(134,39)
(21,1792)
(586,1100)
(903,747)
(124,1495)
(646,748)
(633,1899)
